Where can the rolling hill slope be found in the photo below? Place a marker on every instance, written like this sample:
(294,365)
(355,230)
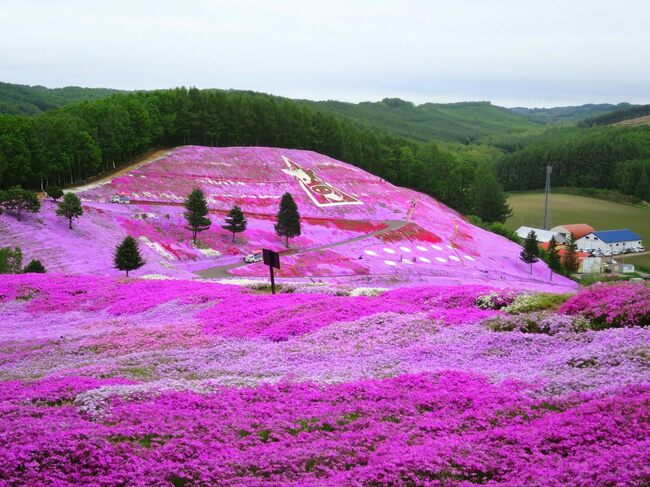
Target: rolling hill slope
(355,225)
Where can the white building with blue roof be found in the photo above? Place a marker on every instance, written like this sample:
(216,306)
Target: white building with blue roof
(611,241)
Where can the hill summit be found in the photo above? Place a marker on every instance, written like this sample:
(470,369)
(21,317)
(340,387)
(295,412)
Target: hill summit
(355,226)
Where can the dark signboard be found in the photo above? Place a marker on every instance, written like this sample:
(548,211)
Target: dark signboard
(271,258)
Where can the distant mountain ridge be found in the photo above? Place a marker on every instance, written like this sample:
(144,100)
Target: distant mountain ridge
(30,100)
(569,114)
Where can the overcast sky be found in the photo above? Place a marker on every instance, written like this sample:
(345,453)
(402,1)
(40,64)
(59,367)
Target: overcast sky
(519,52)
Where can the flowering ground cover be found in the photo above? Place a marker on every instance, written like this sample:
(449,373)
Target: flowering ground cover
(175,382)
(354,225)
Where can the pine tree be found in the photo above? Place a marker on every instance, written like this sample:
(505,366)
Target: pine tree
(235,221)
(570,260)
(553,256)
(530,253)
(11,260)
(70,208)
(34,267)
(288,222)
(127,256)
(197,211)
(54,193)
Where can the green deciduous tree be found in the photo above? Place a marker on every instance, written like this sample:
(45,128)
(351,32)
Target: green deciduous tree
(235,221)
(127,256)
(530,252)
(288,219)
(196,212)
(54,193)
(70,208)
(18,200)
(487,198)
(34,267)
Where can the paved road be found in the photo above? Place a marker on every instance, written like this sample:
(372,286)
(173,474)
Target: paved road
(222,270)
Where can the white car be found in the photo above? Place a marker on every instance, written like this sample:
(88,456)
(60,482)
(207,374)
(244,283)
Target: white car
(254,257)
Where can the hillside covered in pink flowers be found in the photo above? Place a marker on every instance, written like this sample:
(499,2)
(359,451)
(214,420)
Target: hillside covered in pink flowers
(355,226)
(108,381)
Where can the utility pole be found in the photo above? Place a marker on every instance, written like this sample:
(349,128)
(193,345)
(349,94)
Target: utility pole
(547,197)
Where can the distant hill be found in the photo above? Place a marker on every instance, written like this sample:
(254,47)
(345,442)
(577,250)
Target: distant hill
(569,114)
(635,121)
(618,116)
(464,122)
(30,100)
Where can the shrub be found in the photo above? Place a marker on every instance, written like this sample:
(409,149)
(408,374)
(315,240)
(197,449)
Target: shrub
(612,305)
(496,299)
(35,267)
(550,324)
(11,260)
(526,303)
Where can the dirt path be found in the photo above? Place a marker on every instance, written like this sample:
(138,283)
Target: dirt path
(222,270)
(108,177)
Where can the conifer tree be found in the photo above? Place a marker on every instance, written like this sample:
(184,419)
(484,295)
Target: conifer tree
(570,260)
(70,208)
(288,220)
(34,267)
(553,256)
(196,212)
(127,256)
(530,253)
(235,221)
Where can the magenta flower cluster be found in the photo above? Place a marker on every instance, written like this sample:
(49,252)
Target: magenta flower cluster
(612,305)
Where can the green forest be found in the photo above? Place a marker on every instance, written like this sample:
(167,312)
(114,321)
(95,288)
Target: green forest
(82,140)
(614,158)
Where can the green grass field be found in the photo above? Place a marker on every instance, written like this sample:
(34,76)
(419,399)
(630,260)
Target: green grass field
(528,209)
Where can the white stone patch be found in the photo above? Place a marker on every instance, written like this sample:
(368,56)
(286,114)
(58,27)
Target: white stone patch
(440,259)
(405,249)
(453,257)
(436,247)
(390,262)
(389,251)
(421,248)
(424,259)
(370,252)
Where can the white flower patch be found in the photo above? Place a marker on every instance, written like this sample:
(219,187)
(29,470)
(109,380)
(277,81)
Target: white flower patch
(440,259)
(470,258)
(390,262)
(436,247)
(422,248)
(368,291)
(424,259)
(370,252)
(405,249)
(454,258)
(389,251)
(156,247)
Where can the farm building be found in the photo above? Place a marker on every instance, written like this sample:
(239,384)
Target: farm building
(578,230)
(543,236)
(610,241)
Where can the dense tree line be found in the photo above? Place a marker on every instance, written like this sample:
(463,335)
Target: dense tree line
(617,116)
(614,158)
(76,142)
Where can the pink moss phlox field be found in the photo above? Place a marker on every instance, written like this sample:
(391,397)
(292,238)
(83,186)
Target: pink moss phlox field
(110,381)
(390,235)
(419,430)
(626,304)
(285,315)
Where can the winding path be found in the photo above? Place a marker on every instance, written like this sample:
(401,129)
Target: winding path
(222,270)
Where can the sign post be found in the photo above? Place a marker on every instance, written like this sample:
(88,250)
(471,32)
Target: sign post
(271,259)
